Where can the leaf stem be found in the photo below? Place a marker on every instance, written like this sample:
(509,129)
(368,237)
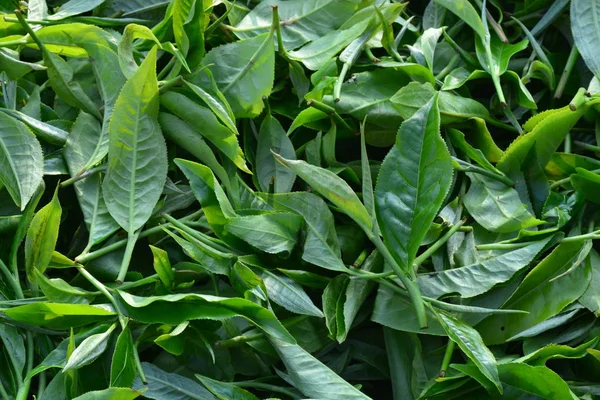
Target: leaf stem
(447,357)
(104,290)
(165,86)
(407,280)
(562,83)
(327,109)
(482,171)
(439,243)
(132,238)
(337,89)
(587,146)
(14,284)
(83,175)
(501,246)
(277,24)
(249,338)
(561,182)
(84,258)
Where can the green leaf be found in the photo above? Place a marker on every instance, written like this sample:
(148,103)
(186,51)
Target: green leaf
(176,308)
(547,130)
(225,391)
(302,20)
(21,160)
(173,342)
(496,206)
(162,266)
(413,181)
(59,291)
(321,246)
(244,71)
(122,367)
(274,232)
(272,138)
(42,236)
(556,351)
(15,348)
(586,32)
(85,138)
(500,52)
(185,136)
(125,49)
(288,294)
(553,284)
(308,374)
(333,188)
(470,342)
(168,386)
(74,7)
(587,184)
(209,193)
(214,99)
(317,53)
(334,297)
(59,316)
(137,155)
(539,381)
(452,108)
(478,278)
(591,297)
(397,312)
(204,121)
(89,350)
(60,75)
(466,12)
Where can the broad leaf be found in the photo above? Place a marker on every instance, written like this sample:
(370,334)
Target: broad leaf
(413,181)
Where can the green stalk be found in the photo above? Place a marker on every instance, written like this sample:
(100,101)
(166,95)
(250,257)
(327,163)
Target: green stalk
(331,112)
(337,89)
(421,258)
(83,175)
(132,238)
(447,357)
(562,83)
(277,24)
(87,257)
(501,246)
(249,338)
(561,182)
(587,146)
(482,171)
(407,280)
(165,86)
(14,284)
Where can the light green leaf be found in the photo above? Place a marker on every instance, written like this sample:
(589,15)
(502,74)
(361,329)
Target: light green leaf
(89,350)
(302,20)
(114,393)
(137,155)
(466,12)
(74,7)
(42,236)
(125,49)
(162,266)
(244,71)
(122,367)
